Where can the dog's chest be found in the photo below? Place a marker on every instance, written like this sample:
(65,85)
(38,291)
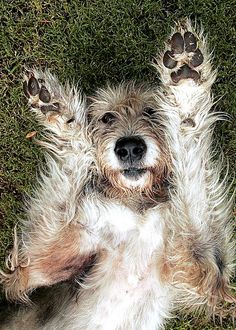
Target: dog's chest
(132,239)
(122,221)
(131,266)
(126,275)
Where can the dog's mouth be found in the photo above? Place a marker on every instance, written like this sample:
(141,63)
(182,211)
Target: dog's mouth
(134,173)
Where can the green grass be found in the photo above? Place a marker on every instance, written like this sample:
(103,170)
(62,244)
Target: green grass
(94,42)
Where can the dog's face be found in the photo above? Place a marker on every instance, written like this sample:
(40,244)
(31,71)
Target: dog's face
(128,135)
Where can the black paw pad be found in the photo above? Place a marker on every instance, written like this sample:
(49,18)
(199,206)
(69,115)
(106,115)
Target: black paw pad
(51,107)
(185,72)
(190,42)
(44,95)
(177,43)
(168,60)
(33,86)
(197,58)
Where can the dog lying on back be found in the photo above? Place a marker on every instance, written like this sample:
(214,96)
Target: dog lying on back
(131,216)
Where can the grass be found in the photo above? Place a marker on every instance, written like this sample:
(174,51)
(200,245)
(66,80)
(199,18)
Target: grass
(93,42)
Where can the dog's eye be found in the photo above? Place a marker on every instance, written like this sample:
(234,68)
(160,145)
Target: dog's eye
(149,112)
(108,118)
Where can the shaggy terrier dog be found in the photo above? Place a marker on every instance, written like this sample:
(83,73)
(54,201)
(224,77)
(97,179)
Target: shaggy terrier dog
(131,217)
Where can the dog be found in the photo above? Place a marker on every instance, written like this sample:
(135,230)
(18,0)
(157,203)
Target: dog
(130,221)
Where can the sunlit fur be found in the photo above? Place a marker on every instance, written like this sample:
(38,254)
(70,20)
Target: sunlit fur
(130,252)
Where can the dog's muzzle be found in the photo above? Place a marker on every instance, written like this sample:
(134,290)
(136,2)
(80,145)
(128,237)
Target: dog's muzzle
(130,151)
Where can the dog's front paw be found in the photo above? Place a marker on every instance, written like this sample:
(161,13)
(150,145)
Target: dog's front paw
(47,98)
(38,94)
(184,58)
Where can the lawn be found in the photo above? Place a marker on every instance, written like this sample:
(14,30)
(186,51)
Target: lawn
(92,42)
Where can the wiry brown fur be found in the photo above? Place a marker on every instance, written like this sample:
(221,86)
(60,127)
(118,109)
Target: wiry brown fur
(195,268)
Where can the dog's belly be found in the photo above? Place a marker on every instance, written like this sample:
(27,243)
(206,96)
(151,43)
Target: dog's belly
(124,291)
(127,301)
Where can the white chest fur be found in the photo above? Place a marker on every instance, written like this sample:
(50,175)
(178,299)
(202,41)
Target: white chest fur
(115,224)
(124,288)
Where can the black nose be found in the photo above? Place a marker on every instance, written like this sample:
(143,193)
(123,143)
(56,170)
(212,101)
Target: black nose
(130,149)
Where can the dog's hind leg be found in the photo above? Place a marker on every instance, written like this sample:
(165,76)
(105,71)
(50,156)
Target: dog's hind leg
(200,249)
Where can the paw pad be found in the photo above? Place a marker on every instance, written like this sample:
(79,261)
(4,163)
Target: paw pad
(168,60)
(185,72)
(44,95)
(185,55)
(38,94)
(190,42)
(33,86)
(177,43)
(197,58)
(51,107)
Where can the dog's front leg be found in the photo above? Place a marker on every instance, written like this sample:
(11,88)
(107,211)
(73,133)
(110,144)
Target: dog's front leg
(55,242)
(199,252)
(54,245)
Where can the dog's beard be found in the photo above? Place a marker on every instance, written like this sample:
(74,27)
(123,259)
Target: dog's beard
(135,178)
(130,177)
(139,175)
(133,173)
